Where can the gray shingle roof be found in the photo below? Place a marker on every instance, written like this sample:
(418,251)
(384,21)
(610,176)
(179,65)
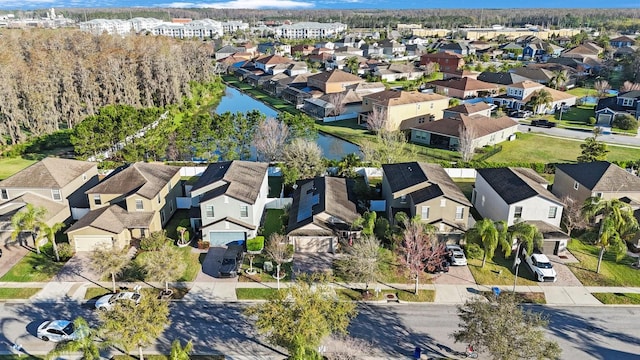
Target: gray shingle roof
(601,176)
(113,219)
(10,207)
(51,173)
(243,179)
(516,184)
(145,179)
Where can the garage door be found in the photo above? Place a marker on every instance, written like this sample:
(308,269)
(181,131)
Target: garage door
(313,244)
(88,243)
(225,238)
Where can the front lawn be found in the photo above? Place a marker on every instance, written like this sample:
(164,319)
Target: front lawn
(582,92)
(612,273)
(135,271)
(521,297)
(10,166)
(262,276)
(498,272)
(255,293)
(618,298)
(17,293)
(34,267)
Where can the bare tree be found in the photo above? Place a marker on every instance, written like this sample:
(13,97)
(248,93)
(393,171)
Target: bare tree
(276,249)
(361,261)
(629,86)
(389,147)
(430,68)
(467,145)
(269,139)
(417,249)
(337,100)
(338,347)
(601,86)
(377,119)
(572,217)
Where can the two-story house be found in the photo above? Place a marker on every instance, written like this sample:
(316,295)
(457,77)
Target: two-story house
(447,61)
(403,109)
(392,47)
(269,62)
(519,95)
(130,203)
(228,201)
(333,81)
(55,184)
(622,41)
(427,191)
(624,103)
(321,214)
(520,195)
(274,48)
(394,72)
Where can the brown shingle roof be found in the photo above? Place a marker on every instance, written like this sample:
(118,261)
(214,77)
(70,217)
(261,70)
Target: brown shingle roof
(465,84)
(10,207)
(51,173)
(468,108)
(243,179)
(146,179)
(478,124)
(334,76)
(273,60)
(527,84)
(394,97)
(113,219)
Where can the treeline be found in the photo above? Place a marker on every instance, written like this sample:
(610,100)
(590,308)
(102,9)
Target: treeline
(53,79)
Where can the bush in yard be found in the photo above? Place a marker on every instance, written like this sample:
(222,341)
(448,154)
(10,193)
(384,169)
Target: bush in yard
(255,244)
(592,120)
(625,122)
(474,251)
(154,242)
(65,250)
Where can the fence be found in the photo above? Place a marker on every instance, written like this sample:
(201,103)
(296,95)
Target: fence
(192,170)
(278,203)
(461,173)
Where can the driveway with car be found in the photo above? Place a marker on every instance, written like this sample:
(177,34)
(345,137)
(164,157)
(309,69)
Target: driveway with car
(210,271)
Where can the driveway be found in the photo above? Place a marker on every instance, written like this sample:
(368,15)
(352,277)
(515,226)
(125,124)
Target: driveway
(211,266)
(306,263)
(78,268)
(457,275)
(564,274)
(12,253)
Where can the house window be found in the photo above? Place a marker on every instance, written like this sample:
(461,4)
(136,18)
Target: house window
(139,204)
(443,202)
(459,212)
(55,193)
(97,200)
(627,102)
(209,211)
(518,212)
(170,206)
(553,210)
(244,211)
(576,185)
(425,212)
(483,200)
(4,194)
(403,199)
(161,215)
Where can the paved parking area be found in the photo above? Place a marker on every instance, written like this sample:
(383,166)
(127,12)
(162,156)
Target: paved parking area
(211,266)
(312,262)
(12,252)
(457,275)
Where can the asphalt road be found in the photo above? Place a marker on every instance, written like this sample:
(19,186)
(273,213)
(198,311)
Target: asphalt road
(581,135)
(392,330)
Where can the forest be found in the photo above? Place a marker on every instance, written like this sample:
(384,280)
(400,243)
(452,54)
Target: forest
(52,80)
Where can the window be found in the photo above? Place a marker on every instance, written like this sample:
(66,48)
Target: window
(244,211)
(4,194)
(425,212)
(170,206)
(403,199)
(459,212)
(209,211)
(576,185)
(55,194)
(553,210)
(139,204)
(162,216)
(443,202)
(97,200)
(518,212)
(627,102)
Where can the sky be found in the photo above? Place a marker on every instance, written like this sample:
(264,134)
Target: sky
(315,4)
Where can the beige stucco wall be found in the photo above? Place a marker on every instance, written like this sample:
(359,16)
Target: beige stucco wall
(105,200)
(121,240)
(396,115)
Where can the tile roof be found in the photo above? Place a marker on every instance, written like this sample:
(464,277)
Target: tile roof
(395,97)
(465,84)
(601,176)
(335,75)
(113,219)
(53,173)
(480,125)
(515,184)
(243,178)
(145,179)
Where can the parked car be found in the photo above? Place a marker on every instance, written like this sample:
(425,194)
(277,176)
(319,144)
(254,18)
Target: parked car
(542,268)
(231,261)
(59,330)
(520,113)
(543,123)
(107,302)
(442,267)
(455,255)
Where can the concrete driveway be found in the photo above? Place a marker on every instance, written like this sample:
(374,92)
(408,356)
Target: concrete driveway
(211,266)
(307,263)
(78,269)
(564,275)
(457,275)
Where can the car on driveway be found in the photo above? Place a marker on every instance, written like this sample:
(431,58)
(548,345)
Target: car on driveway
(59,330)
(520,113)
(543,123)
(231,261)
(542,268)
(107,302)
(456,256)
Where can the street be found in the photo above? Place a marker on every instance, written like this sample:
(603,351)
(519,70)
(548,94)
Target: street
(392,330)
(620,140)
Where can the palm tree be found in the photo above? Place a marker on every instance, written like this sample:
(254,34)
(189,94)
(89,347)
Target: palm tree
(541,98)
(28,220)
(617,222)
(352,64)
(489,235)
(85,344)
(178,352)
(525,234)
(559,79)
(49,233)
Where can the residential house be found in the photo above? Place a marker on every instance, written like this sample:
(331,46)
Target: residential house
(465,88)
(403,109)
(349,41)
(520,94)
(346,51)
(519,194)
(460,48)
(624,103)
(333,81)
(301,50)
(267,63)
(392,48)
(583,52)
(539,75)
(226,51)
(394,72)
(470,109)
(416,40)
(55,184)
(130,203)
(321,215)
(512,51)
(415,50)
(324,107)
(277,84)
(482,130)
(372,50)
(367,88)
(274,48)
(330,45)
(228,201)
(425,190)
(599,178)
(447,61)
(460,73)
(622,41)
(296,95)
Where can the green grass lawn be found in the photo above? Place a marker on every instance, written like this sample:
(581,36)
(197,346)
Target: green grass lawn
(135,271)
(172,225)
(466,185)
(612,273)
(255,293)
(498,272)
(582,92)
(272,222)
(351,294)
(618,298)
(17,293)
(10,166)
(262,276)
(539,148)
(34,267)
(94,292)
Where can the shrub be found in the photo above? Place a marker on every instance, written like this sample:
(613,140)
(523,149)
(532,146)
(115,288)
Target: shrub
(255,244)
(65,251)
(592,120)
(154,242)
(290,250)
(625,122)
(474,251)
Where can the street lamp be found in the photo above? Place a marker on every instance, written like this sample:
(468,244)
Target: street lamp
(516,264)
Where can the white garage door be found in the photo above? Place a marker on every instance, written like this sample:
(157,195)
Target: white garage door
(313,244)
(88,243)
(225,238)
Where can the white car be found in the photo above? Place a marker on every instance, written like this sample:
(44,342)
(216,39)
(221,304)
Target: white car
(106,302)
(455,255)
(542,268)
(59,330)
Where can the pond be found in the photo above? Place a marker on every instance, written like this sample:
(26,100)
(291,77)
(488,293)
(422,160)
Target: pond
(234,100)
